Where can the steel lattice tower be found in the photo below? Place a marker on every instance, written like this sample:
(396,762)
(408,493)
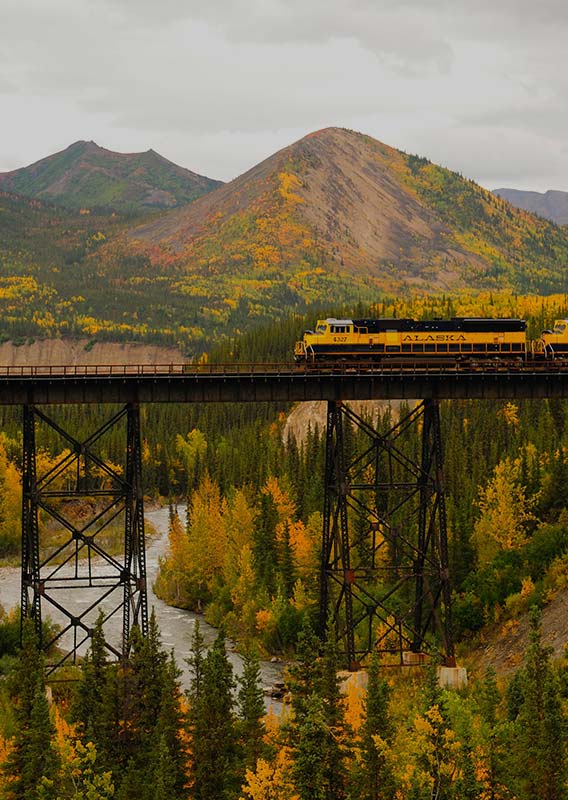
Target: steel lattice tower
(384,570)
(82,560)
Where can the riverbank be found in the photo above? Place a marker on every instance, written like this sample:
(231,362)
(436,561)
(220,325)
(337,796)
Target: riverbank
(176,625)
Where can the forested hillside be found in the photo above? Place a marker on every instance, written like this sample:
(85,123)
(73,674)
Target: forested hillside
(87,176)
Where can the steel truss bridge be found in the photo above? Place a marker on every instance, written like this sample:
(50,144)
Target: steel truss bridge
(384,576)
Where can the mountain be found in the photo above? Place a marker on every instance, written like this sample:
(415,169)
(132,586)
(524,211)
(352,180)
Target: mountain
(85,175)
(551,205)
(341,204)
(332,221)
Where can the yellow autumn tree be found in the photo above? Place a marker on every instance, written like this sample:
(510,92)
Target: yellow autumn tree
(192,449)
(10,504)
(505,512)
(270,780)
(171,583)
(239,524)
(207,541)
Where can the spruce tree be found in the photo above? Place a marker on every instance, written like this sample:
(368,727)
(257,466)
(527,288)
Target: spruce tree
(212,728)
(309,742)
(33,757)
(152,718)
(542,733)
(337,740)
(376,780)
(287,567)
(169,756)
(497,749)
(265,547)
(87,708)
(317,731)
(251,711)
(195,662)
(304,675)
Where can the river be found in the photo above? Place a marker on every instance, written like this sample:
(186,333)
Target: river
(176,625)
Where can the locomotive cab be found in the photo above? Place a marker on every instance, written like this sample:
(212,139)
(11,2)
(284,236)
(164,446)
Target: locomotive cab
(323,342)
(555,341)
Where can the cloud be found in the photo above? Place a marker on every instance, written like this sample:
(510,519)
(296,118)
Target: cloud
(219,85)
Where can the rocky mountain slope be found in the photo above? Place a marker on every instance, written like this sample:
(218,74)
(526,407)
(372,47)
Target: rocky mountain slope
(551,205)
(343,203)
(85,175)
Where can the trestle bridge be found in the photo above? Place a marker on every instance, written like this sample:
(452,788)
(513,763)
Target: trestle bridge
(384,575)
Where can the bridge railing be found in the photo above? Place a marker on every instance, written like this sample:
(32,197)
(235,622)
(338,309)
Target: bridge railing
(193,369)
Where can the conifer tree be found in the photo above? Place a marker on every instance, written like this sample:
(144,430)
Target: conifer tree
(251,711)
(337,740)
(33,757)
(211,723)
(305,674)
(169,758)
(308,768)
(195,662)
(376,780)
(87,707)
(542,732)
(265,548)
(164,783)
(152,718)
(286,560)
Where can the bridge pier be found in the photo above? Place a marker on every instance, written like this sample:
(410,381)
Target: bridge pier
(84,556)
(384,576)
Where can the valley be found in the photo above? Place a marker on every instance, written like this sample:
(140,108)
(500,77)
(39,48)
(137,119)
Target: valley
(110,258)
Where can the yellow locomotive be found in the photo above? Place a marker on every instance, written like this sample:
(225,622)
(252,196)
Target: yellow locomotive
(382,339)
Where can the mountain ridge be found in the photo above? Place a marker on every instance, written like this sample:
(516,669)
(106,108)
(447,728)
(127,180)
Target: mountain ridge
(552,204)
(86,175)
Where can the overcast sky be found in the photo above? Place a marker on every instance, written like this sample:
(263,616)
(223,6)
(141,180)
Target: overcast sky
(480,86)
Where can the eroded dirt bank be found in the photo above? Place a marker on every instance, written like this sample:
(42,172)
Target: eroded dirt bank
(71,352)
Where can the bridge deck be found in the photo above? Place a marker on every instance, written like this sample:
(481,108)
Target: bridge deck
(183,383)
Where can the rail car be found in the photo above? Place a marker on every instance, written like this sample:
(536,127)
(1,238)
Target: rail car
(456,339)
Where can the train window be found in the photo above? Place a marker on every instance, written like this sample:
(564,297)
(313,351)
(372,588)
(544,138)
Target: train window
(506,348)
(406,348)
(393,348)
(418,348)
(321,328)
(442,348)
(429,348)
(454,348)
(466,348)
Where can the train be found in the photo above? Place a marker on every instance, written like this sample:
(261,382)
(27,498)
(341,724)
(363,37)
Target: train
(456,339)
